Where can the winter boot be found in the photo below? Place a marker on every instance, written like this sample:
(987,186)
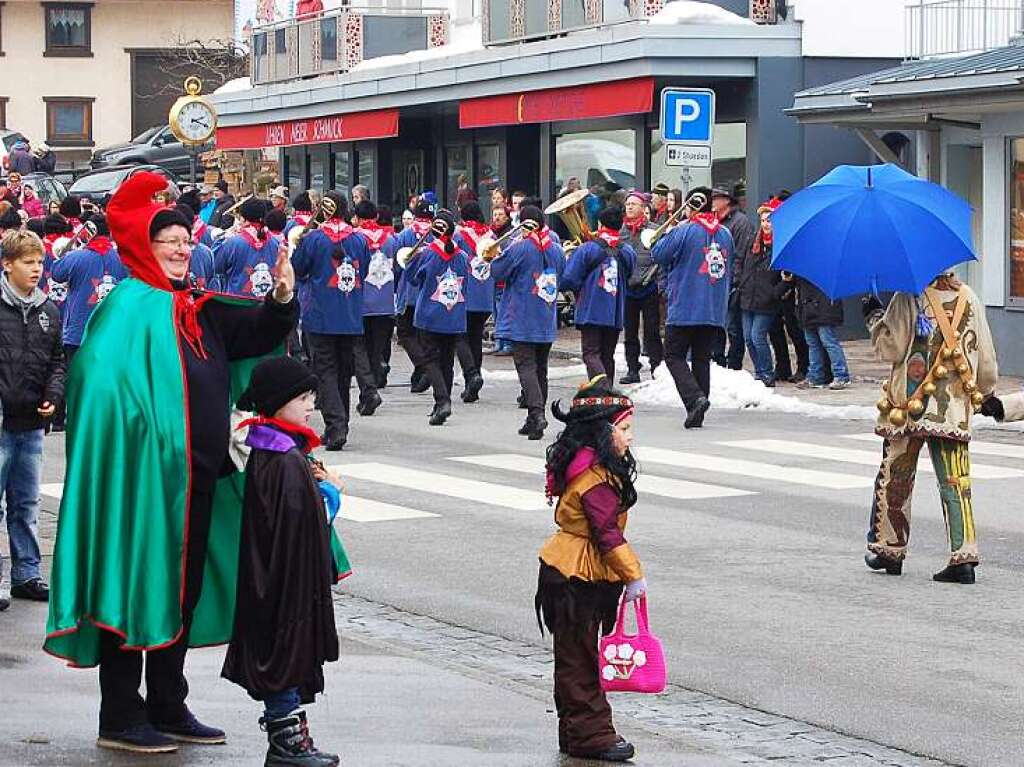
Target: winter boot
(963,573)
(440,413)
(474,383)
(289,744)
(631,377)
(878,562)
(537,426)
(369,406)
(695,414)
(419,383)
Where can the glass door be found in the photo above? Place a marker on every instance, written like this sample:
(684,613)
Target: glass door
(488,174)
(457,188)
(406,176)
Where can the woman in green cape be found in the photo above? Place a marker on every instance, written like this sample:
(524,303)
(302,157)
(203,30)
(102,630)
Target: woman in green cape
(147,544)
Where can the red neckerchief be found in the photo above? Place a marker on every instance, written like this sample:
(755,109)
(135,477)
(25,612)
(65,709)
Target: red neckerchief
(301,218)
(661,210)
(635,224)
(472,232)
(420,226)
(48,241)
(312,440)
(374,233)
(253,234)
(198,227)
(336,229)
(100,244)
(437,245)
(540,238)
(610,236)
(75,223)
(186,319)
(709,221)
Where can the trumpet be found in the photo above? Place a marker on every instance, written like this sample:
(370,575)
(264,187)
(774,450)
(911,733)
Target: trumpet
(80,238)
(438,228)
(490,248)
(231,211)
(325,209)
(650,237)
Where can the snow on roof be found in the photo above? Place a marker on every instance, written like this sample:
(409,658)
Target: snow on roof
(234,86)
(693,12)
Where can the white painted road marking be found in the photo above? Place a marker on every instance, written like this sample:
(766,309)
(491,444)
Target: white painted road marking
(978,447)
(678,489)
(784,447)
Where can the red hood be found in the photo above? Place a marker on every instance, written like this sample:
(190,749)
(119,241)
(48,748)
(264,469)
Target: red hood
(129,214)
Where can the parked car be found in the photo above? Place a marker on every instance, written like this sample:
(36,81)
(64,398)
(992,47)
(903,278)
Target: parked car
(99,185)
(47,187)
(155,146)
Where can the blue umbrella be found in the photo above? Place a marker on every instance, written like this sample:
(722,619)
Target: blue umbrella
(867,229)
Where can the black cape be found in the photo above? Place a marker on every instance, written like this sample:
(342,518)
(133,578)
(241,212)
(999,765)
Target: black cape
(284,627)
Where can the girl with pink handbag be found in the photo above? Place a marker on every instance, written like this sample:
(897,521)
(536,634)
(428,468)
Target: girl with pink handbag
(587,564)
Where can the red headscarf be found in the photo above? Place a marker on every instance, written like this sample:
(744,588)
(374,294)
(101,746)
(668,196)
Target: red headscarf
(765,238)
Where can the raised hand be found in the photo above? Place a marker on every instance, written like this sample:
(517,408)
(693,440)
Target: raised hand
(285,286)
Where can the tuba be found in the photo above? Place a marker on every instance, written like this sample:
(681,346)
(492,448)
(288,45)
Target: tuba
(324,210)
(571,210)
(650,237)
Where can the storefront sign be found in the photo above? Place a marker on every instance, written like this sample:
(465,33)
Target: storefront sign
(356,126)
(624,97)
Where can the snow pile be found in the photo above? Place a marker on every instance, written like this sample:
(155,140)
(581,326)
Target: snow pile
(692,12)
(466,37)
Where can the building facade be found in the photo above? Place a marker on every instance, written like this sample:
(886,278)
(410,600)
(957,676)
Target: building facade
(87,74)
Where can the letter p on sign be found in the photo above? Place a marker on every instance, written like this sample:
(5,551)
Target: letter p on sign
(687,116)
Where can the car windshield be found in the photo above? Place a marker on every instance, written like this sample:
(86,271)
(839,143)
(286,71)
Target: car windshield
(146,135)
(99,182)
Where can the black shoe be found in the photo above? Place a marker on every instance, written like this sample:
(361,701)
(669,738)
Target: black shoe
(769,382)
(141,739)
(335,445)
(956,573)
(35,590)
(521,401)
(289,743)
(419,384)
(191,730)
(631,377)
(536,430)
(440,414)
(878,562)
(695,415)
(798,377)
(621,752)
(4,603)
(474,384)
(369,407)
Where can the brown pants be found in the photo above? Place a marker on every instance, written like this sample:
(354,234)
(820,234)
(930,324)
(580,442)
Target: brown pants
(584,716)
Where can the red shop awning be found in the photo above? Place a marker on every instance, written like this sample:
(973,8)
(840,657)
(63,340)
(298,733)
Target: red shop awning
(623,97)
(382,123)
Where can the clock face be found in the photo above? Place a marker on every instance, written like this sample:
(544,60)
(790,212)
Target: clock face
(196,121)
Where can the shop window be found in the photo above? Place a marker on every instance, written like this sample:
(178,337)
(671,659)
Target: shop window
(456,163)
(595,158)
(69,121)
(366,170)
(729,161)
(68,29)
(342,170)
(295,168)
(1015,284)
(488,173)
(318,168)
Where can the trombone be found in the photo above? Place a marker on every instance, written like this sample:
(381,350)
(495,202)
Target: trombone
(79,239)
(650,237)
(490,248)
(438,228)
(570,209)
(325,209)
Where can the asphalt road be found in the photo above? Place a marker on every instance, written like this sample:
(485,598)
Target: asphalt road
(760,598)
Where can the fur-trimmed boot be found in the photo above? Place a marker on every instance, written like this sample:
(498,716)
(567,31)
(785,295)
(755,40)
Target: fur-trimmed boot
(289,743)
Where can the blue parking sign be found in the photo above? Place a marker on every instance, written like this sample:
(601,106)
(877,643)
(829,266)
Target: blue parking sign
(687,116)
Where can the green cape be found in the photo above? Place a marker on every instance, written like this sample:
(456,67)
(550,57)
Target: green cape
(119,556)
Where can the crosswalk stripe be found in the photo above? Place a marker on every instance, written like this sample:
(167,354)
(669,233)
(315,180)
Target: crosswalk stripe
(663,486)
(353,508)
(784,447)
(978,447)
(445,484)
(752,469)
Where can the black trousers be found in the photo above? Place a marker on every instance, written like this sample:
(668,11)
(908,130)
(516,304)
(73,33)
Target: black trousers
(471,345)
(531,361)
(336,359)
(377,333)
(121,705)
(650,310)
(409,339)
(692,381)
(787,323)
(597,346)
(439,363)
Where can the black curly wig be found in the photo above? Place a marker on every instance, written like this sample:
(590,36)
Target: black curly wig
(588,423)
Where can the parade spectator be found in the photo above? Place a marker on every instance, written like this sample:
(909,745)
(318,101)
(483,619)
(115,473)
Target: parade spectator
(642,299)
(7,194)
(659,202)
(726,206)
(44,159)
(207,204)
(14,185)
(279,198)
(407,219)
(53,208)
(284,628)
(31,389)
(758,296)
(360,192)
(9,218)
(820,319)
(223,201)
(499,199)
(463,191)
(20,159)
(31,203)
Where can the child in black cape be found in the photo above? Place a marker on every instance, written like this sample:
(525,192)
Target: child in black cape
(284,627)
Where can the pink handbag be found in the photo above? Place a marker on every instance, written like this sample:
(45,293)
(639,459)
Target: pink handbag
(632,663)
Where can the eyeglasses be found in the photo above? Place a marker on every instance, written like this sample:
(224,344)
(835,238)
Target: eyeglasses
(177,244)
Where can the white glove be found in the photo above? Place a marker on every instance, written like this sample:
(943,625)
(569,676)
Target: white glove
(635,589)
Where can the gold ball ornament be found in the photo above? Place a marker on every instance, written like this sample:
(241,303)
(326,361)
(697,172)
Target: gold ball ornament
(977,398)
(897,417)
(947,354)
(957,335)
(915,407)
(963,368)
(884,405)
(928,389)
(885,386)
(941,372)
(958,353)
(970,386)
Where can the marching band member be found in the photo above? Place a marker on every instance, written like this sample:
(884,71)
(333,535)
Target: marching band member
(379,290)
(302,212)
(201,273)
(246,261)
(641,293)
(405,298)
(479,298)
(696,257)
(437,273)
(531,269)
(333,260)
(597,272)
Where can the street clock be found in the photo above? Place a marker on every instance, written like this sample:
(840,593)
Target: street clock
(193,119)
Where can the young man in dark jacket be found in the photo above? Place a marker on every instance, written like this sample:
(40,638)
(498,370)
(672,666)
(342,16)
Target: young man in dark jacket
(726,206)
(31,387)
(819,318)
(642,298)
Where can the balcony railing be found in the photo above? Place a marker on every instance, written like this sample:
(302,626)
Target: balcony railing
(951,27)
(335,41)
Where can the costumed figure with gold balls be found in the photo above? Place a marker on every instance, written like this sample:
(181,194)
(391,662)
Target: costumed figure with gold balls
(943,368)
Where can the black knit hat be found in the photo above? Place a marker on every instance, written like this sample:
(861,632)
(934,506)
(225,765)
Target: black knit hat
(168,217)
(55,223)
(531,213)
(274,383)
(10,219)
(470,211)
(71,206)
(253,209)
